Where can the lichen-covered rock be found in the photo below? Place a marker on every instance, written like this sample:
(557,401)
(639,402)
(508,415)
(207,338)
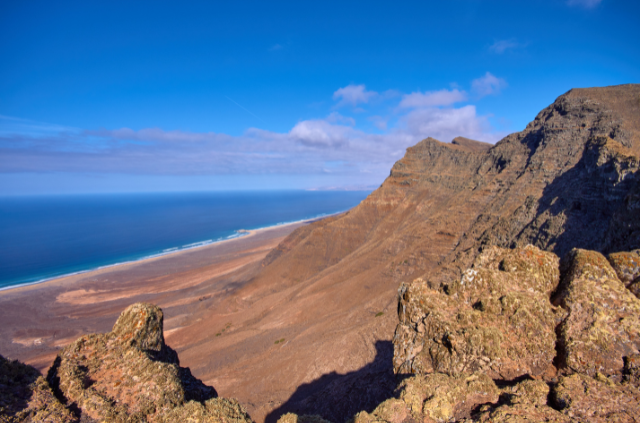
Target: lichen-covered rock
(447,397)
(434,398)
(213,410)
(626,265)
(390,411)
(526,401)
(634,287)
(131,375)
(25,396)
(599,399)
(294,418)
(140,326)
(603,322)
(534,392)
(497,319)
(520,413)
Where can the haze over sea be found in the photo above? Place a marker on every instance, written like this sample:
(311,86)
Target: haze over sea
(48,236)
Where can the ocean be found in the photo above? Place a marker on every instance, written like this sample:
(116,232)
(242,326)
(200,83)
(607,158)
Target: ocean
(44,237)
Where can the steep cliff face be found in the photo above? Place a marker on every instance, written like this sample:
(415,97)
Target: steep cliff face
(568,180)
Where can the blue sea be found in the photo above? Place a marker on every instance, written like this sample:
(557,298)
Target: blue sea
(43,237)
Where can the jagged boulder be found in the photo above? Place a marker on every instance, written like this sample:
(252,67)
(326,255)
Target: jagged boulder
(25,396)
(603,322)
(525,401)
(500,321)
(627,267)
(497,319)
(598,399)
(131,375)
(434,398)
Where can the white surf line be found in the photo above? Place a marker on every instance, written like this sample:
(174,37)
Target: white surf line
(174,250)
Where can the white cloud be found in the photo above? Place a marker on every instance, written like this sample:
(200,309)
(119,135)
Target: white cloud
(500,46)
(446,124)
(275,47)
(320,134)
(488,85)
(433,98)
(353,95)
(588,4)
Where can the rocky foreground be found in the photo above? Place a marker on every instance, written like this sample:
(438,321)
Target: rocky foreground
(522,336)
(126,375)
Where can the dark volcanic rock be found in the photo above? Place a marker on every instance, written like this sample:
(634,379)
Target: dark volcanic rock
(499,321)
(631,371)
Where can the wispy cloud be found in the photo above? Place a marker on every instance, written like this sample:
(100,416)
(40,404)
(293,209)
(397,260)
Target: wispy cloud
(500,46)
(276,47)
(587,4)
(336,117)
(488,84)
(353,95)
(433,98)
(330,145)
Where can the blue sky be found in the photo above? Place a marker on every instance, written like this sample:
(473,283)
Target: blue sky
(165,96)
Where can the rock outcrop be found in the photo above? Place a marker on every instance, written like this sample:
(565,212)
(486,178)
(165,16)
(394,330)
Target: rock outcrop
(25,396)
(603,322)
(496,319)
(560,338)
(126,375)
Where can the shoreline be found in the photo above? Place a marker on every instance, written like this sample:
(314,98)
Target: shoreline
(240,234)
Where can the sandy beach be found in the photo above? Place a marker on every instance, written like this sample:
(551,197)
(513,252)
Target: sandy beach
(36,320)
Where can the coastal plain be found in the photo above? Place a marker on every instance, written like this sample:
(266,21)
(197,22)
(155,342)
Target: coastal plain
(40,319)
